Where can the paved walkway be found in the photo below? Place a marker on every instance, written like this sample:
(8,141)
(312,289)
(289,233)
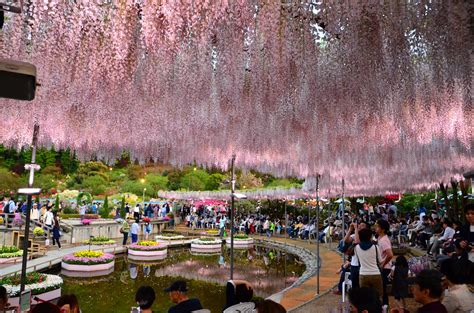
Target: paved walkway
(298,296)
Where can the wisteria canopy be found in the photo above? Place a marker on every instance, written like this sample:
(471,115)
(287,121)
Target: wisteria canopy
(377,92)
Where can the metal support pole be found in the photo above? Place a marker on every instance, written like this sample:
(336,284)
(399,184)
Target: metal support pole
(343,220)
(317,229)
(31,167)
(286,219)
(232,219)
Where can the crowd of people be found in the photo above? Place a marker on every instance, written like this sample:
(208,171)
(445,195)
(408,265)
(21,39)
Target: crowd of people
(239,298)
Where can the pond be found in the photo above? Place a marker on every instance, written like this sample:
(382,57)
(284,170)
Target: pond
(269,270)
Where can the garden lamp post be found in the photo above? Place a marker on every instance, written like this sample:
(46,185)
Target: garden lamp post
(29,192)
(232,197)
(318,176)
(143,199)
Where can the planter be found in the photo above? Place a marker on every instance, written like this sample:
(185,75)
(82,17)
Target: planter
(148,253)
(94,263)
(46,296)
(87,268)
(147,250)
(206,244)
(177,240)
(240,243)
(48,289)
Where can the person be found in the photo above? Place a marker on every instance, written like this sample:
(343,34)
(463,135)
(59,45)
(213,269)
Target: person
(428,291)
(400,282)
(350,240)
(177,293)
(148,229)
(237,291)
(49,218)
(448,234)
(369,258)
(69,304)
(382,228)
(458,298)
(125,229)
(56,230)
(364,300)
(222,222)
(467,232)
(269,306)
(134,231)
(45,307)
(145,297)
(3,298)
(82,210)
(136,212)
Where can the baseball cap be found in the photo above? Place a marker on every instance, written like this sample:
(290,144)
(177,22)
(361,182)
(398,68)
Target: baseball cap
(179,285)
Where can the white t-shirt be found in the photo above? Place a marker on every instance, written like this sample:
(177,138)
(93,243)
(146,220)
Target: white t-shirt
(368,260)
(354,260)
(48,218)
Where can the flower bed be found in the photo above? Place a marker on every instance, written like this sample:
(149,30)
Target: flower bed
(147,249)
(38,283)
(100,241)
(10,252)
(211,232)
(240,241)
(172,239)
(205,243)
(86,222)
(88,261)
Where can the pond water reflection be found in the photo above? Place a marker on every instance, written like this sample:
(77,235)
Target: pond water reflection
(269,270)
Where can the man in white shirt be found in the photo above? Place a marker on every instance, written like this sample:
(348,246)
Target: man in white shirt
(134,231)
(448,234)
(48,218)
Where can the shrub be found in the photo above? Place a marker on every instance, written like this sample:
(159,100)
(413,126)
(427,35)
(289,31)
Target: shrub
(31,278)
(38,231)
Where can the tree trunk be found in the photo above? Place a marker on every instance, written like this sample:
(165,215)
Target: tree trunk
(454,185)
(444,192)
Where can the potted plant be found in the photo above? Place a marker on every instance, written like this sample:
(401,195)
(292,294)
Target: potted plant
(147,248)
(88,261)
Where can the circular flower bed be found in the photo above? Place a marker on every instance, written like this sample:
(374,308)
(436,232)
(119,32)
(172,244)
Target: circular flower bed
(101,241)
(240,241)
(45,286)
(206,244)
(147,249)
(211,232)
(172,239)
(88,261)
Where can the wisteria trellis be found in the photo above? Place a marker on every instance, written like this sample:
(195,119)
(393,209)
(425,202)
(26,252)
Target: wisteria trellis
(377,92)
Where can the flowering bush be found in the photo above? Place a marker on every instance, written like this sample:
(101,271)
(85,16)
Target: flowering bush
(86,222)
(169,236)
(1,220)
(147,246)
(212,231)
(91,216)
(38,231)
(36,282)
(10,252)
(86,257)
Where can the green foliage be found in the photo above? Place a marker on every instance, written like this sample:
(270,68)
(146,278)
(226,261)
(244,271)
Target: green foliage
(135,172)
(56,203)
(157,182)
(174,179)
(136,187)
(214,181)
(105,211)
(282,183)
(68,161)
(45,181)
(52,170)
(248,180)
(94,184)
(122,207)
(80,197)
(195,180)
(8,181)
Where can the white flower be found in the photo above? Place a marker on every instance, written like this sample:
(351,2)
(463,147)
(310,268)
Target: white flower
(51,281)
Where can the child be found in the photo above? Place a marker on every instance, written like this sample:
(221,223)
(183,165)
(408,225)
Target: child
(400,282)
(147,230)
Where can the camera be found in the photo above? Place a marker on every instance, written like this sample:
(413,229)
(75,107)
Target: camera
(135,309)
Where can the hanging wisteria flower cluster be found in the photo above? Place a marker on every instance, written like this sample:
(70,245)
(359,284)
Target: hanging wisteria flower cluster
(377,92)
